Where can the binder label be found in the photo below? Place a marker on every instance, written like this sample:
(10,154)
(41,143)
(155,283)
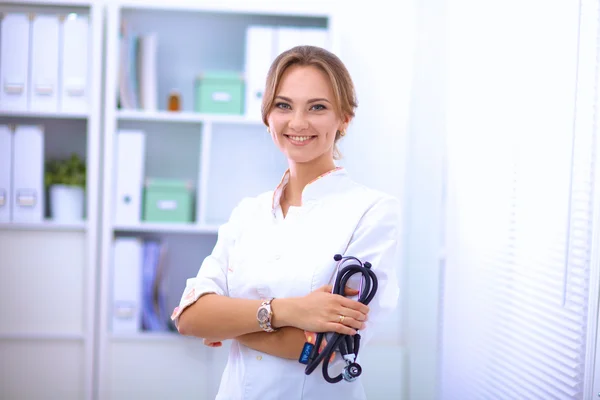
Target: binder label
(26,198)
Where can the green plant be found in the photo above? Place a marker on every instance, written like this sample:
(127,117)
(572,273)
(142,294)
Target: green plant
(70,171)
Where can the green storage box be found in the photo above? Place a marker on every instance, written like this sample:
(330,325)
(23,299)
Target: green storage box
(220,93)
(168,200)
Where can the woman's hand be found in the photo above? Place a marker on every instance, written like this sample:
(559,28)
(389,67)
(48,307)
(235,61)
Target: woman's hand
(212,343)
(322,311)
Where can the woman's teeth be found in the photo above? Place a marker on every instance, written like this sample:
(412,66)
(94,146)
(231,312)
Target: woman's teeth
(300,138)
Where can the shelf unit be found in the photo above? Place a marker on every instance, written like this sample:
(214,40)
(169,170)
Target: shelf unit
(168,228)
(184,117)
(228,157)
(45,115)
(47,225)
(48,295)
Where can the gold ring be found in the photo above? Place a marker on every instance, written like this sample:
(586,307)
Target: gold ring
(342,317)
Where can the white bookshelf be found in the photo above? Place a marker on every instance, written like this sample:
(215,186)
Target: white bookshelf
(150,337)
(55,336)
(48,268)
(184,117)
(227,157)
(168,228)
(45,115)
(46,225)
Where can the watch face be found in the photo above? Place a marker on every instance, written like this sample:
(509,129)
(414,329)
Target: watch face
(263,315)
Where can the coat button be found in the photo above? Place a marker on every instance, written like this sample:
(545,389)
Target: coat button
(259,358)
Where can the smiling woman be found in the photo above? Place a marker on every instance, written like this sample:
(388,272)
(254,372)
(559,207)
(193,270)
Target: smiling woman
(266,284)
(323,103)
(305,128)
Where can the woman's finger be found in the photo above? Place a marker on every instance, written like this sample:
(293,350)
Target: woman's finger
(350,291)
(341,328)
(355,305)
(210,343)
(357,315)
(325,288)
(351,322)
(328,288)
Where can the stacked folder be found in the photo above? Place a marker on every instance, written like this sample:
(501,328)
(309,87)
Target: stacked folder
(129,173)
(44,62)
(263,44)
(138,84)
(21,173)
(138,286)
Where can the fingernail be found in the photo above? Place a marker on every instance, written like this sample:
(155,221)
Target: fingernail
(363,326)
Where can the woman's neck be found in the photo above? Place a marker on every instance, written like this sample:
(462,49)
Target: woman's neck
(301,174)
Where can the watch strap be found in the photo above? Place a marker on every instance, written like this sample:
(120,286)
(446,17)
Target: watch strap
(265,311)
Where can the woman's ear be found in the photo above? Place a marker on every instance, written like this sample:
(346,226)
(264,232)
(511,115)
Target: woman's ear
(345,122)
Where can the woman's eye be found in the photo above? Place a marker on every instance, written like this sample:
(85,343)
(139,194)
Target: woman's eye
(284,106)
(318,107)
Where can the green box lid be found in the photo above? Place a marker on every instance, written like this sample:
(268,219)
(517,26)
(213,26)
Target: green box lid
(169,184)
(223,76)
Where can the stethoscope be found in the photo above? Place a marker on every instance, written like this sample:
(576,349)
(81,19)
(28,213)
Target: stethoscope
(347,345)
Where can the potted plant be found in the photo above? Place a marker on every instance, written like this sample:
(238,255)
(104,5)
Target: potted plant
(66,180)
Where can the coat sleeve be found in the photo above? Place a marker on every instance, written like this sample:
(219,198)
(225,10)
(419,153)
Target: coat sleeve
(376,240)
(212,274)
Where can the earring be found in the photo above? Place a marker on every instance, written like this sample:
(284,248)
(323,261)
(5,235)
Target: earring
(342,133)
(269,130)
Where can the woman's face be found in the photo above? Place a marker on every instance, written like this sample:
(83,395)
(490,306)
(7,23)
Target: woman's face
(303,121)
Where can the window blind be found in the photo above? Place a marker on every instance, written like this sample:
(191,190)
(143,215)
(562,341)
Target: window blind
(521,139)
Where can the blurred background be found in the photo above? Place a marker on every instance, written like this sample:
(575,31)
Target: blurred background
(130,129)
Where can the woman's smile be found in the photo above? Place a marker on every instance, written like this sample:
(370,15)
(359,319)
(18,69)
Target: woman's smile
(300,140)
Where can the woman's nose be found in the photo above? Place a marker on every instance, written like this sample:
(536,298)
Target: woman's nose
(298,121)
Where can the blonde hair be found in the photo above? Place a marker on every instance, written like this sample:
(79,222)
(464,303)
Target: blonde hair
(330,64)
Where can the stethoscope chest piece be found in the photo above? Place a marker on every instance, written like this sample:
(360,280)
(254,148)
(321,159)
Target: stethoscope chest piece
(351,372)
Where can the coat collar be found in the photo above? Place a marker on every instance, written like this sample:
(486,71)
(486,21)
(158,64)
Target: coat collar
(314,190)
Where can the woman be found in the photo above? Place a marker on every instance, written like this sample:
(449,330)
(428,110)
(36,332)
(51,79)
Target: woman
(275,254)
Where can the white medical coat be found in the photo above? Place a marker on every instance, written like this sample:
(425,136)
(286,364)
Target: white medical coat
(260,254)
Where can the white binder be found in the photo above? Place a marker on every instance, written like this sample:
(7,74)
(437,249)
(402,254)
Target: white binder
(43,90)
(74,65)
(260,53)
(147,71)
(288,37)
(316,37)
(14,61)
(126,312)
(129,176)
(6,148)
(28,174)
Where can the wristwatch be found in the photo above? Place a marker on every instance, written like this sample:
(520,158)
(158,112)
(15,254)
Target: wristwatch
(264,315)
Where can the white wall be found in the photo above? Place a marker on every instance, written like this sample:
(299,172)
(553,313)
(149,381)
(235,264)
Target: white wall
(395,54)
(424,202)
(378,47)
